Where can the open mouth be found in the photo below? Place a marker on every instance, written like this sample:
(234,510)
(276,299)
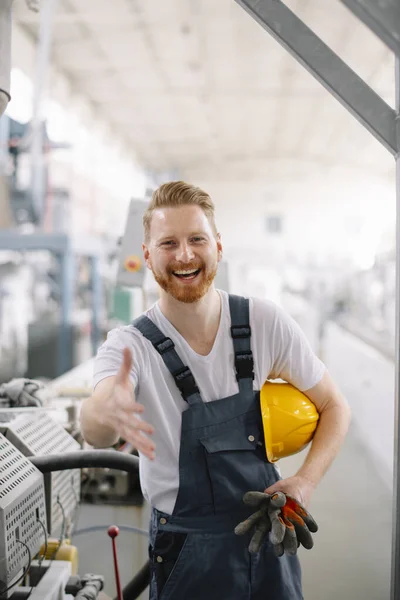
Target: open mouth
(186,275)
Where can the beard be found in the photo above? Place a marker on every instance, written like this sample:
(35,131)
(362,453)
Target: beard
(187,292)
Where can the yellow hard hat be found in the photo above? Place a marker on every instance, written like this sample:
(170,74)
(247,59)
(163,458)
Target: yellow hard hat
(289,419)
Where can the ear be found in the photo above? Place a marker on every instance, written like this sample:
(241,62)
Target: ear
(219,247)
(146,256)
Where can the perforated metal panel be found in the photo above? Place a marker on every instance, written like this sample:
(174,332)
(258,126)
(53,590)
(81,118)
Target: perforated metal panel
(22,503)
(37,435)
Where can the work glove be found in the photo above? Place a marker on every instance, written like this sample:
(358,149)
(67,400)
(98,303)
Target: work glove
(299,521)
(286,520)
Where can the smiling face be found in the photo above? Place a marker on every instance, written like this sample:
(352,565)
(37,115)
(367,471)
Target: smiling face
(182,252)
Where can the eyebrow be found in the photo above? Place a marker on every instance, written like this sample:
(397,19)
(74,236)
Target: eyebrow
(195,233)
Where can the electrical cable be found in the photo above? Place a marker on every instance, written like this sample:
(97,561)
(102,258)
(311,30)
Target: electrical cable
(62,530)
(75,516)
(24,573)
(41,559)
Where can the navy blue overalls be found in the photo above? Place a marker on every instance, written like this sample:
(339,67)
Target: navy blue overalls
(195,554)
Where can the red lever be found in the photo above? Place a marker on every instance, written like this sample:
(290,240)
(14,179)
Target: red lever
(113,531)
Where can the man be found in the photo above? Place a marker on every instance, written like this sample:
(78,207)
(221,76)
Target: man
(187,366)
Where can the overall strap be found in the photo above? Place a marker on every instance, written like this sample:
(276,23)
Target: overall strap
(241,332)
(166,348)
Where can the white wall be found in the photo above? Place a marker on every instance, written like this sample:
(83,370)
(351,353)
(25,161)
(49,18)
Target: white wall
(323,217)
(334,224)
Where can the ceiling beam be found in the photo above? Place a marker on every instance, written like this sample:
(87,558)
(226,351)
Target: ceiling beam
(326,66)
(382,17)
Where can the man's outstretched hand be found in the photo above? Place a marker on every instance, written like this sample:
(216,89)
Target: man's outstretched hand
(122,411)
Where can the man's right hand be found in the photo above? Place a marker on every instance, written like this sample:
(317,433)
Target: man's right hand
(122,411)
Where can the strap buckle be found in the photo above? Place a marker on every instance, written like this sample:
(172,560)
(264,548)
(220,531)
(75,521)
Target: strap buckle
(186,382)
(165,345)
(240,331)
(244,365)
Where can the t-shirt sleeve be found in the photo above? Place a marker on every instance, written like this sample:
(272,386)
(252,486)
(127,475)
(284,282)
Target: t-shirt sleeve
(109,356)
(294,360)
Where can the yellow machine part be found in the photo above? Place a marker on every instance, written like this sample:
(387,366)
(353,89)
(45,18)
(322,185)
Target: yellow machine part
(65,552)
(289,419)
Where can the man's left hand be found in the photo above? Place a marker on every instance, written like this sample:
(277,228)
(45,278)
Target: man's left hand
(298,487)
(298,521)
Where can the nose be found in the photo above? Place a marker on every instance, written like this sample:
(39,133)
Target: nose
(184,254)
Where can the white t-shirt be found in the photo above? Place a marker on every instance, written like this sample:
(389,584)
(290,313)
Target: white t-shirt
(280,350)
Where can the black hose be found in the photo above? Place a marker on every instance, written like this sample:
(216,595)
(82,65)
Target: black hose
(86,458)
(138,584)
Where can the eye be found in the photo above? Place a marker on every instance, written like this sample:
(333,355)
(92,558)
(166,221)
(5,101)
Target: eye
(168,243)
(198,238)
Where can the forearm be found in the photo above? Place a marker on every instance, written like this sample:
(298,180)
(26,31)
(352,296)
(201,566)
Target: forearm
(94,430)
(332,428)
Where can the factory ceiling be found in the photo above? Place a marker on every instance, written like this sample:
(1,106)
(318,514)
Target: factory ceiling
(200,89)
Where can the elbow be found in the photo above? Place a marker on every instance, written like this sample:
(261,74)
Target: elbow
(339,410)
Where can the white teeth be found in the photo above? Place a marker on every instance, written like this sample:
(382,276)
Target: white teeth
(185,272)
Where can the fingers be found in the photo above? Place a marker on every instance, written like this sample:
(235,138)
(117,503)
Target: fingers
(248,523)
(278,528)
(299,509)
(255,498)
(278,500)
(125,368)
(302,532)
(139,440)
(129,419)
(311,524)
(289,526)
(126,415)
(290,539)
(136,431)
(304,536)
(279,550)
(260,532)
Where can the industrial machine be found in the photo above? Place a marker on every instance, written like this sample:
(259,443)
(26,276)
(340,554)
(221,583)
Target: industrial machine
(40,479)
(37,434)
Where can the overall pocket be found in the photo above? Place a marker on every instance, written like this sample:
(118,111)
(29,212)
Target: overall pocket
(237,463)
(165,558)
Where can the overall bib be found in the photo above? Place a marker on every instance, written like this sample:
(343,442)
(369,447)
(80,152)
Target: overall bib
(194,553)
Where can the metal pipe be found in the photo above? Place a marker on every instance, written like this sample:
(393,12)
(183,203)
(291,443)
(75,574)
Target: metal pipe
(5,53)
(85,459)
(47,11)
(67,287)
(395,579)
(138,584)
(96,302)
